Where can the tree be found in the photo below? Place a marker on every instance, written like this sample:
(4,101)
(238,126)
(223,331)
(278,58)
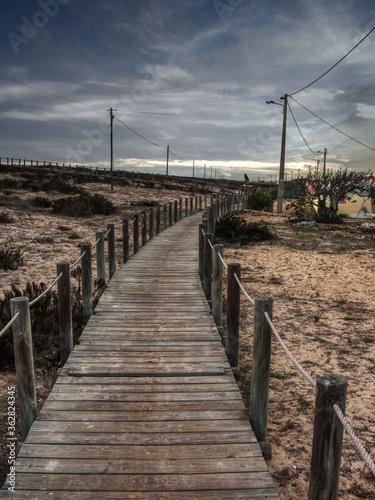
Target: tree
(319,192)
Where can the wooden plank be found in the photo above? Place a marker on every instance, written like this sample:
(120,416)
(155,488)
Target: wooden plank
(144,396)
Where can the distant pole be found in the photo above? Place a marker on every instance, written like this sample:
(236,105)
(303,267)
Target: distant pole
(204,170)
(211,172)
(167,160)
(111,120)
(193,167)
(280,190)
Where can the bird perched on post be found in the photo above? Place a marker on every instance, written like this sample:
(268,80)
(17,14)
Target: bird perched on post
(246,179)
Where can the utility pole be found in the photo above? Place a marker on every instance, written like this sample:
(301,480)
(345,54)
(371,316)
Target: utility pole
(204,170)
(167,159)
(280,190)
(111,117)
(193,167)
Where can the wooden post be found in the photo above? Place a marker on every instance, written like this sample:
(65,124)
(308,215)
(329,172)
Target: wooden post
(179,209)
(136,233)
(151,223)
(158,219)
(260,378)
(165,216)
(191,206)
(207,266)
(23,354)
(201,250)
(111,250)
(327,438)
(175,211)
(144,228)
(217,285)
(125,240)
(86,282)
(233,314)
(170,213)
(186,207)
(64,311)
(100,263)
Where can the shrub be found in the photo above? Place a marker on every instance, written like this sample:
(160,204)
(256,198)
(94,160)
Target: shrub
(83,205)
(41,202)
(234,229)
(5,217)
(259,200)
(11,258)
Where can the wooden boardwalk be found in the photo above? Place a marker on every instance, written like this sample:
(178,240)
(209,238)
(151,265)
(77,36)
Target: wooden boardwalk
(146,407)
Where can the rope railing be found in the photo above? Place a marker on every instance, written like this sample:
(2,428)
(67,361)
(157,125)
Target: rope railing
(94,244)
(252,301)
(222,261)
(37,299)
(77,261)
(107,233)
(9,324)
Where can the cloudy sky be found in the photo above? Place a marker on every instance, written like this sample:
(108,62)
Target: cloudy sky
(191,74)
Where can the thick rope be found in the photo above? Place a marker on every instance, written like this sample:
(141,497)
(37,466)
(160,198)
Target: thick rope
(222,260)
(45,291)
(77,261)
(94,245)
(107,233)
(242,289)
(289,354)
(7,326)
(361,449)
(211,245)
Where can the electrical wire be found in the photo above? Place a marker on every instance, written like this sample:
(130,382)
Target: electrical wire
(56,95)
(178,158)
(136,133)
(330,125)
(331,68)
(299,130)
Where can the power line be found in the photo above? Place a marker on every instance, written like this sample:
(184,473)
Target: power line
(299,130)
(335,128)
(56,95)
(136,133)
(331,68)
(178,158)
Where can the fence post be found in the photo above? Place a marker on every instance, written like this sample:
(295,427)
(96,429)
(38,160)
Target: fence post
(151,223)
(23,354)
(165,216)
(327,438)
(186,207)
(144,228)
(64,311)
(191,206)
(170,213)
(201,250)
(111,250)
(260,378)
(86,282)
(217,286)
(125,240)
(100,263)
(207,266)
(233,314)
(158,219)
(136,233)
(175,211)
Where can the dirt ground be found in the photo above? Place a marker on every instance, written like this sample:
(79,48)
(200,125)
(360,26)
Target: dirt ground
(321,279)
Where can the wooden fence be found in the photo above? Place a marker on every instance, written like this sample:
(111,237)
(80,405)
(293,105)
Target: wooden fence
(330,400)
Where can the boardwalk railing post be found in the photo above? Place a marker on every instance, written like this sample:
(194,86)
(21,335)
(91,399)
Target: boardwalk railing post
(23,354)
(170,213)
(175,211)
(327,438)
(136,233)
(191,206)
(100,263)
(64,311)
(233,314)
(158,219)
(260,378)
(165,206)
(111,250)
(86,282)
(207,266)
(180,209)
(217,286)
(125,240)
(201,250)
(144,228)
(186,207)
(151,223)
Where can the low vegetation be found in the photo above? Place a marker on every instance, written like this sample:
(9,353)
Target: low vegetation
(236,230)
(11,258)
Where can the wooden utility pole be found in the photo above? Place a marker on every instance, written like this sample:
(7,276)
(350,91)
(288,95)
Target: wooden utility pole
(280,190)
(167,160)
(111,120)
(193,167)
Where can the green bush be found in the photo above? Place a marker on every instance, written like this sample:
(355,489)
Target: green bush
(259,200)
(234,229)
(83,205)
(11,258)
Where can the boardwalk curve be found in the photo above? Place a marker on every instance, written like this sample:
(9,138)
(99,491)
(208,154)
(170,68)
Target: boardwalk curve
(146,406)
